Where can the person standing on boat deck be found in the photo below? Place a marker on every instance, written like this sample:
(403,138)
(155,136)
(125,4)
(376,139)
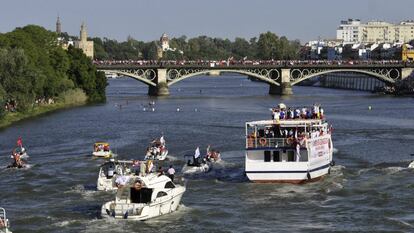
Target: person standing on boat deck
(162,140)
(142,169)
(160,171)
(320,112)
(297,152)
(297,113)
(150,166)
(276,115)
(171,172)
(196,156)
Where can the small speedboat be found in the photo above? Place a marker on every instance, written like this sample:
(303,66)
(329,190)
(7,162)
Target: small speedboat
(194,167)
(157,155)
(4,222)
(157,150)
(21,151)
(102,150)
(110,171)
(142,198)
(411,165)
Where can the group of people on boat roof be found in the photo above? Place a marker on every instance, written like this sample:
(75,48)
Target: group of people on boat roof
(283,113)
(139,168)
(157,147)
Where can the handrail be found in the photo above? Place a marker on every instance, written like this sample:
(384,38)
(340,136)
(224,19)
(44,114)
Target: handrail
(263,142)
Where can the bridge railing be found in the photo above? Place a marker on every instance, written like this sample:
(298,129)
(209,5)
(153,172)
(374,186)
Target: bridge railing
(254,64)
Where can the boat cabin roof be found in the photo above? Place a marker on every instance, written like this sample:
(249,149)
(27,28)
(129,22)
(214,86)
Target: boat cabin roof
(288,123)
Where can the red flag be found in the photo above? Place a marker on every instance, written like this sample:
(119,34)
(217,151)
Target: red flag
(19,142)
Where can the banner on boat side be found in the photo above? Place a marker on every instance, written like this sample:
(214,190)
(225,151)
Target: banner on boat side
(319,147)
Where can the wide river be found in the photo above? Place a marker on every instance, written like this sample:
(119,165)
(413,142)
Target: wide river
(369,189)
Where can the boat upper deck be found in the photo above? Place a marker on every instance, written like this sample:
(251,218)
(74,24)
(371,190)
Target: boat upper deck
(287,122)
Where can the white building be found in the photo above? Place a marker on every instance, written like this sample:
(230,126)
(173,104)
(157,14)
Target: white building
(350,31)
(353,31)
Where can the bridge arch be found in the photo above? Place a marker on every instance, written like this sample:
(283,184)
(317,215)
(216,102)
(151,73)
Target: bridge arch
(259,74)
(379,76)
(134,75)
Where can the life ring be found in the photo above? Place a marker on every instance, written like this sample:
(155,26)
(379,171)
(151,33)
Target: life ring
(289,141)
(262,141)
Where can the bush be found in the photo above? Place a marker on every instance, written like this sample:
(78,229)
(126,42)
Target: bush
(73,96)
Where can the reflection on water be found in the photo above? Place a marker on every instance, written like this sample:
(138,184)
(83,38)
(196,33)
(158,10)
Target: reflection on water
(369,189)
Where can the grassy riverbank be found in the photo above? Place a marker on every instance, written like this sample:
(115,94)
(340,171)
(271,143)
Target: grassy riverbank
(71,98)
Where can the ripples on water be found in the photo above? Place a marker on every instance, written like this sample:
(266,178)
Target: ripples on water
(370,189)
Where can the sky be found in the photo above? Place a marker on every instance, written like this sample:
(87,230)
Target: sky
(147,19)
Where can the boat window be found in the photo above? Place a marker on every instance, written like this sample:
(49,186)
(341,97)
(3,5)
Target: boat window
(169,185)
(142,195)
(276,156)
(267,156)
(291,155)
(161,194)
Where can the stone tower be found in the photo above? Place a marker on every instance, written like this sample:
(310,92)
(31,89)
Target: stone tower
(83,33)
(58,26)
(83,43)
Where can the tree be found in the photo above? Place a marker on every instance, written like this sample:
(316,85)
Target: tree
(268,46)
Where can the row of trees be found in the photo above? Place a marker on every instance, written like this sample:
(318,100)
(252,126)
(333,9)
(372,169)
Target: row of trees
(267,46)
(33,66)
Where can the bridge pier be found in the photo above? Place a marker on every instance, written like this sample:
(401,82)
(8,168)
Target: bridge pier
(162,87)
(285,87)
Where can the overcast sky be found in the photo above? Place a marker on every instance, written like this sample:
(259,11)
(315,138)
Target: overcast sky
(148,19)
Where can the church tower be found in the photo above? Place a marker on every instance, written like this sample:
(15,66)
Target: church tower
(58,26)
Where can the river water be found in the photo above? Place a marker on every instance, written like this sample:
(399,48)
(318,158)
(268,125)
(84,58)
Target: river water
(369,189)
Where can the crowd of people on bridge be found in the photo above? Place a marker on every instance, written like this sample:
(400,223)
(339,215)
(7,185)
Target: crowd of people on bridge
(245,62)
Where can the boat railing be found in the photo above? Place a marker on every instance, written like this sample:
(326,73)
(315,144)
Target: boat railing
(4,222)
(263,142)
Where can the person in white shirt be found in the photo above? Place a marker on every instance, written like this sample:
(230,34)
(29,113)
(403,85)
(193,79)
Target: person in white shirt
(297,152)
(162,141)
(171,172)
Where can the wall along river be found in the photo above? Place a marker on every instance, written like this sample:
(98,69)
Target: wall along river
(369,189)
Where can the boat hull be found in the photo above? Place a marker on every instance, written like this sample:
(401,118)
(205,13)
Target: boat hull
(195,169)
(102,154)
(140,211)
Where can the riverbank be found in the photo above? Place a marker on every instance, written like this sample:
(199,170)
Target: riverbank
(71,98)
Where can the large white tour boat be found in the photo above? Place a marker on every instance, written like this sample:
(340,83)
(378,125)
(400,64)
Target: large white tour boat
(144,197)
(293,150)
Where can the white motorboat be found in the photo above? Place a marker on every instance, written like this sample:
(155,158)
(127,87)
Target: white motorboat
(143,198)
(4,222)
(102,150)
(111,170)
(411,165)
(194,167)
(157,150)
(288,151)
